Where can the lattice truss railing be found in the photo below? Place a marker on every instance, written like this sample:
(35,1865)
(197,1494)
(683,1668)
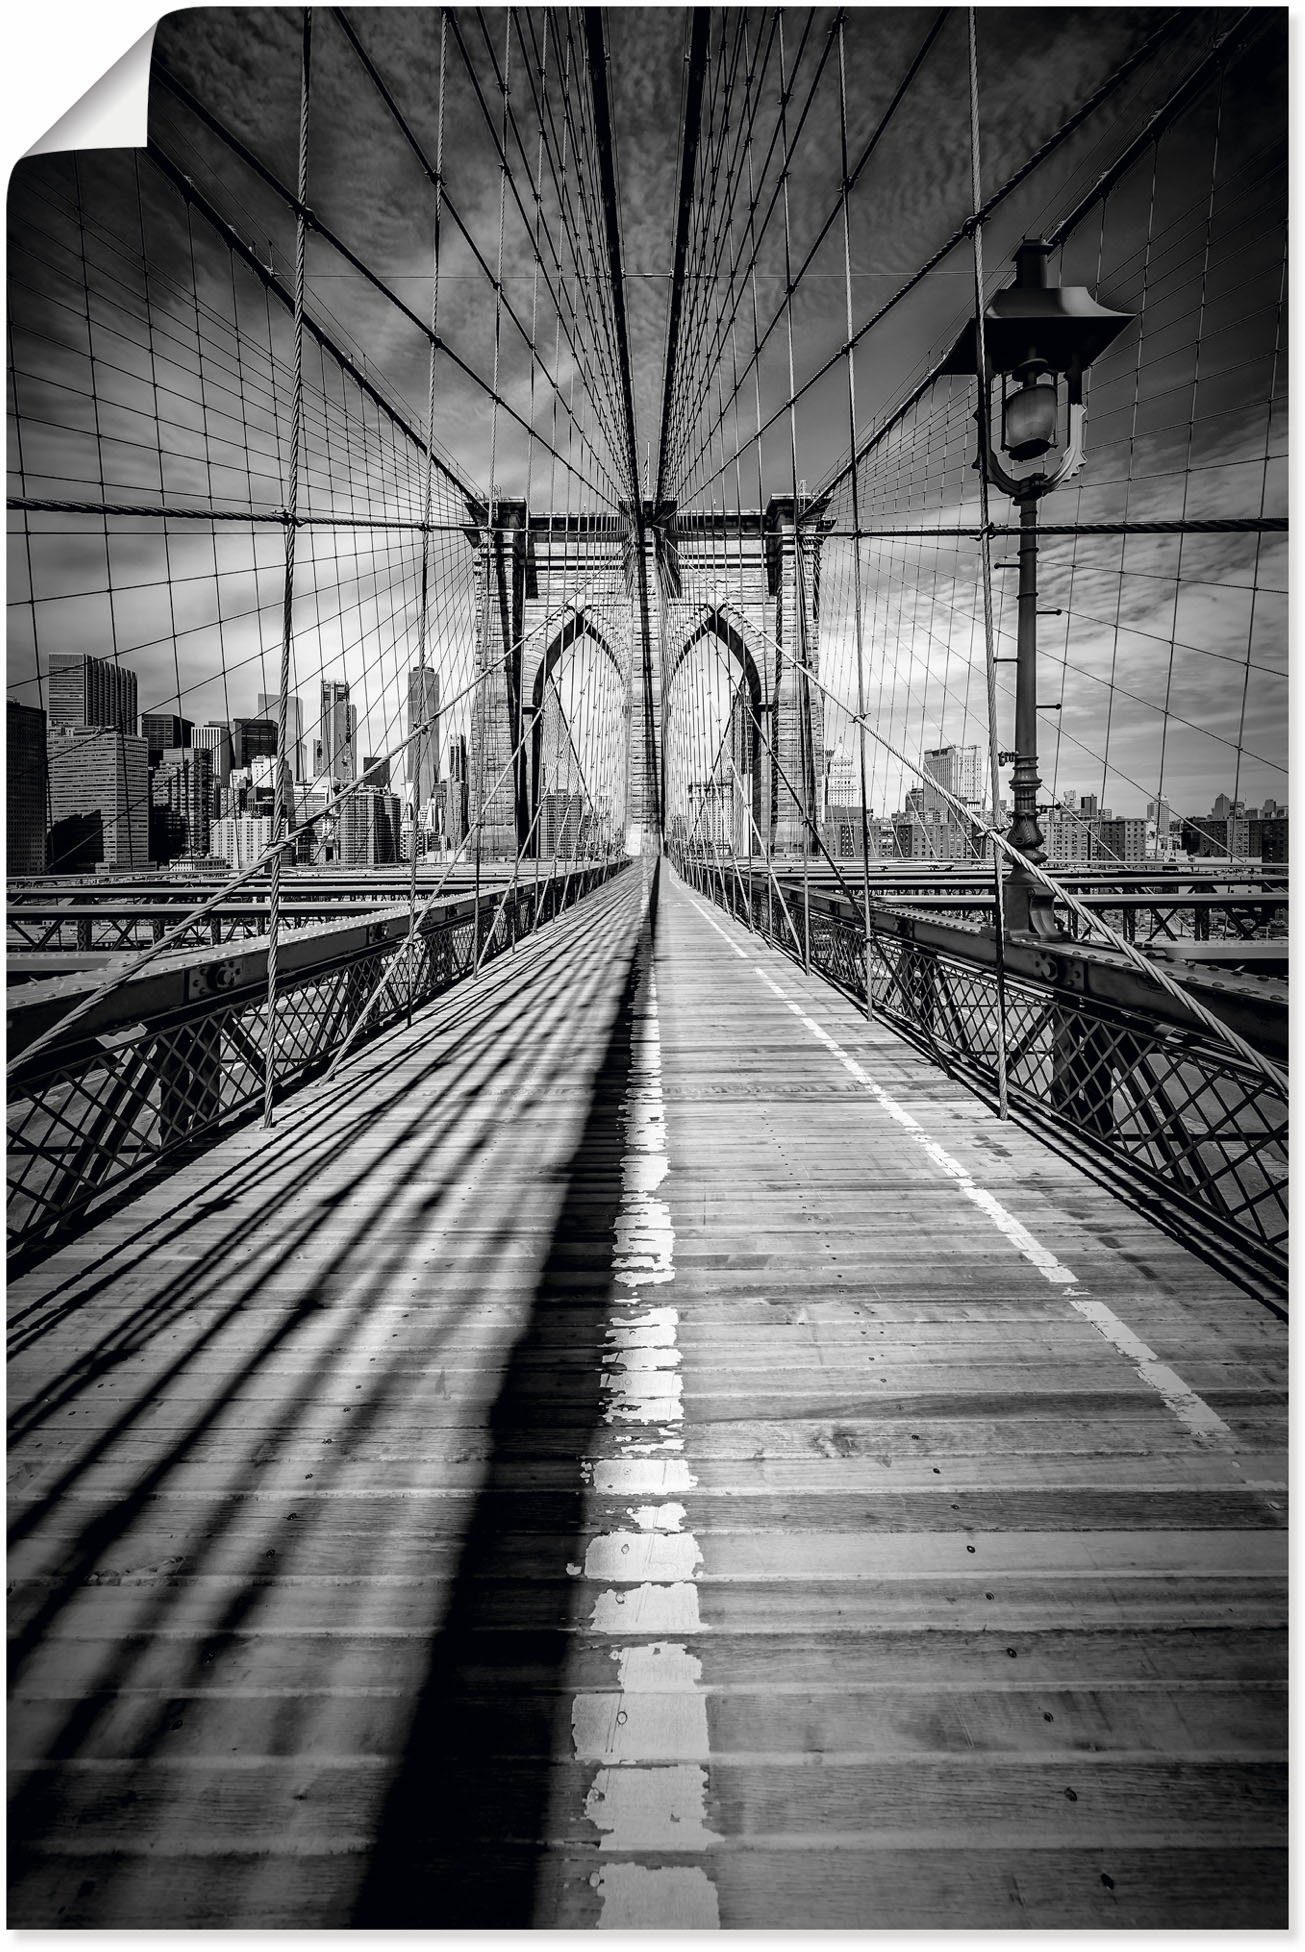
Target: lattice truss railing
(322,399)
(827,239)
(88,1117)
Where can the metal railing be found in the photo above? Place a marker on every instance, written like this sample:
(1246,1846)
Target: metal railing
(1098,1063)
(174,1057)
(1140,918)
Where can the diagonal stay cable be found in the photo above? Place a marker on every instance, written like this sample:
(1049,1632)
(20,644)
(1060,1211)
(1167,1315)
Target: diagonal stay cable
(852,177)
(350,256)
(436,177)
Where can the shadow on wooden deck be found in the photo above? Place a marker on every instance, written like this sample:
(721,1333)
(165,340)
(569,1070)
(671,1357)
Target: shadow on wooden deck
(461,1838)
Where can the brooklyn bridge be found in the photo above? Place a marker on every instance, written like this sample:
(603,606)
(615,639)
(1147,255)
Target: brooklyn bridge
(647,923)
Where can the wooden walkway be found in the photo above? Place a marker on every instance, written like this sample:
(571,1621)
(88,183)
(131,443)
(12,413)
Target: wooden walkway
(643,1448)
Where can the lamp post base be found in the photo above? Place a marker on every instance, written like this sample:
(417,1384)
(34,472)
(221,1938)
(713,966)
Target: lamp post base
(1029,909)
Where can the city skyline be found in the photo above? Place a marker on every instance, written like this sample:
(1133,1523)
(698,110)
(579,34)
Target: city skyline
(121,796)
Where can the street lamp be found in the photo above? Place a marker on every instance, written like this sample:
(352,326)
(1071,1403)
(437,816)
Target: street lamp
(1037,338)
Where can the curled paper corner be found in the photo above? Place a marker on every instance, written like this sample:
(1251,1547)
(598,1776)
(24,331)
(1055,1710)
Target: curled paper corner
(114,111)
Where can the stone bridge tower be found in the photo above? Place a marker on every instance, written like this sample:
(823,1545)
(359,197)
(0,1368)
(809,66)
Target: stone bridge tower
(746,584)
(751,582)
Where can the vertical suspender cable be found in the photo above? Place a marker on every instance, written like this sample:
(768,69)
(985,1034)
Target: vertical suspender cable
(802,691)
(856,520)
(281,817)
(525,752)
(493,539)
(985,563)
(1197,344)
(419,730)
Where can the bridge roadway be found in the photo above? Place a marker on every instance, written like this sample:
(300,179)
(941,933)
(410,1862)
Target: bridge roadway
(641,1447)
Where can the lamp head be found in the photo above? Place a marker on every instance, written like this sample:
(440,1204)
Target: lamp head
(1030,414)
(1060,328)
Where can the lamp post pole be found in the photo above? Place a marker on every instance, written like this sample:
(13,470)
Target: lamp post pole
(1028,906)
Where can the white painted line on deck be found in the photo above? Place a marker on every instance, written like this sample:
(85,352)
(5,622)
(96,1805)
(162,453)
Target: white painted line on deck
(649,1733)
(1191,1410)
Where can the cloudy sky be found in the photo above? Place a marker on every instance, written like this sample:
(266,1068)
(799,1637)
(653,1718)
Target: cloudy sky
(1180,422)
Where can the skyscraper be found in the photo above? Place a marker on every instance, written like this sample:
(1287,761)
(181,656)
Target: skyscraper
(424,711)
(181,803)
(253,738)
(268,707)
(563,820)
(239,839)
(164,732)
(844,778)
(333,751)
(367,829)
(99,799)
(455,793)
(216,737)
(957,769)
(26,790)
(90,691)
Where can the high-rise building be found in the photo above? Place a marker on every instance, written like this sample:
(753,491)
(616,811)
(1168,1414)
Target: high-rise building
(89,691)
(99,799)
(957,769)
(946,834)
(1089,804)
(367,829)
(333,751)
(376,772)
(239,839)
(26,790)
(563,820)
(181,803)
(424,711)
(843,779)
(455,793)
(268,707)
(253,738)
(164,732)
(252,789)
(315,843)
(711,815)
(215,737)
